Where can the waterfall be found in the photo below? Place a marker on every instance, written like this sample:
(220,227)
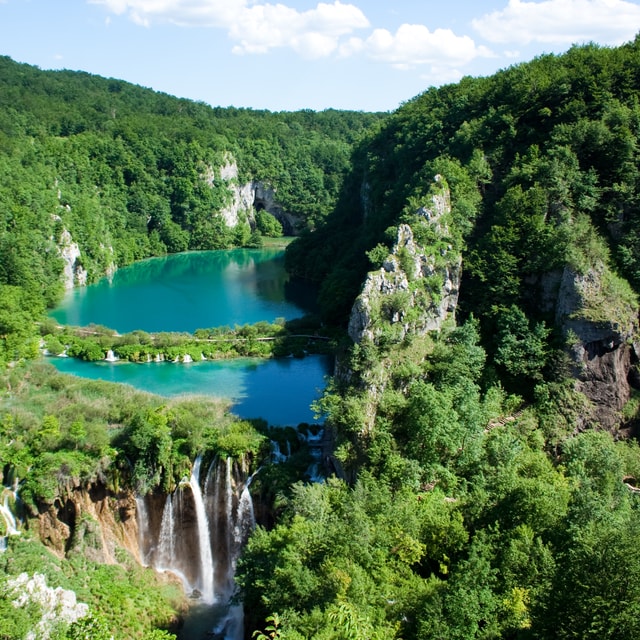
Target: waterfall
(166,549)
(7,514)
(206,558)
(231,509)
(142,519)
(276,453)
(246,521)
(110,357)
(199,537)
(314,443)
(10,522)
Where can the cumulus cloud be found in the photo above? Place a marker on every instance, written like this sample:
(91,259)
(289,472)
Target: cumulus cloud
(561,22)
(314,33)
(331,28)
(254,27)
(414,44)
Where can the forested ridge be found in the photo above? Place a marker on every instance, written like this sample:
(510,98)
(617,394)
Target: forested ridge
(492,487)
(484,474)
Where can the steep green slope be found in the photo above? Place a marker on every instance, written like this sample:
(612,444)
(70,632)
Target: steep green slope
(542,142)
(481,494)
(542,163)
(496,325)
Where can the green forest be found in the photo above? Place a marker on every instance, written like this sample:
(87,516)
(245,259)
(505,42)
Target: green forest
(484,480)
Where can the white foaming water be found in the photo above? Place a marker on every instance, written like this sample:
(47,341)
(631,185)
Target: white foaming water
(11,524)
(206,557)
(142,519)
(165,560)
(198,539)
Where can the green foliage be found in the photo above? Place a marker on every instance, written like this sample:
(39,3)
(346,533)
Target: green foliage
(378,255)
(124,601)
(261,340)
(470,511)
(268,225)
(127,173)
(342,552)
(521,349)
(272,629)
(238,439)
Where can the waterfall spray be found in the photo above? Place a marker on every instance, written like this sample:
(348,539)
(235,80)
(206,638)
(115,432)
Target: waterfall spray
(199,537)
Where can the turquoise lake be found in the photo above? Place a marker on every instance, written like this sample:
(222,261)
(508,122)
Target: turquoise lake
(188,291)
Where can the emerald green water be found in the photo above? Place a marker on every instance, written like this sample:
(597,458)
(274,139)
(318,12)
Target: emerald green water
(188,291)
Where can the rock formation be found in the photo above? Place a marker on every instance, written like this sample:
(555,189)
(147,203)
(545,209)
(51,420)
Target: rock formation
(73,273)
(93,521)
(250,197)
(599,319)
(416,289)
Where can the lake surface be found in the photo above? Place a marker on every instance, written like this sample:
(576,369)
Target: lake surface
(278,390)
(185,292)
(189,291)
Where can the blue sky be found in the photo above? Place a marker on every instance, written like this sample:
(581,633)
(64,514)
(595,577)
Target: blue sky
(367,55)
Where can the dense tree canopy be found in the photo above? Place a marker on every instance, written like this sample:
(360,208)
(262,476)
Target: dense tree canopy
(470,498)
(128,173)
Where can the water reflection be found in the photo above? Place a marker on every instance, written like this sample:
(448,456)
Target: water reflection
(184,292)
(279,390)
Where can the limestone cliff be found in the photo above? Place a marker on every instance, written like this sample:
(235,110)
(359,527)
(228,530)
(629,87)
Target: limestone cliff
(598,315)
(416,289)
(73,272)
(250,197)
(91,520)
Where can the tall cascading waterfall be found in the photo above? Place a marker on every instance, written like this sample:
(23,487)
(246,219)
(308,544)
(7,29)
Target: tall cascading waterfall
(230,510)
(199,536)
(204,535)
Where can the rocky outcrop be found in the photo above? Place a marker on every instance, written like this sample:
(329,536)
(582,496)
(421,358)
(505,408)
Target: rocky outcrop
(250,197)
(416,289)
(93,521)
(598,316)
(73,272)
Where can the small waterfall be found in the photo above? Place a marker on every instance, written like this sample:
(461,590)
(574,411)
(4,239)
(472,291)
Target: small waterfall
(110,357)
(276,453)
(165,559)
(10,522)
(314,442)
(246,520)
(142,519)
(9,519)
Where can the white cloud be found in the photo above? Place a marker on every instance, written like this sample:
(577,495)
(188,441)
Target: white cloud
(257,27)
(254,27)
(314,33)
(441,75)
(561,22)
(414,44)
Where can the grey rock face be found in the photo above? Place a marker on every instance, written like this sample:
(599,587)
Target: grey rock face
(602,342)
(415,289)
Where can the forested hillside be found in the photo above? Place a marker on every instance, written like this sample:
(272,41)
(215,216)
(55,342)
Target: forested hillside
(482,414)
(479,248)
(101,172)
